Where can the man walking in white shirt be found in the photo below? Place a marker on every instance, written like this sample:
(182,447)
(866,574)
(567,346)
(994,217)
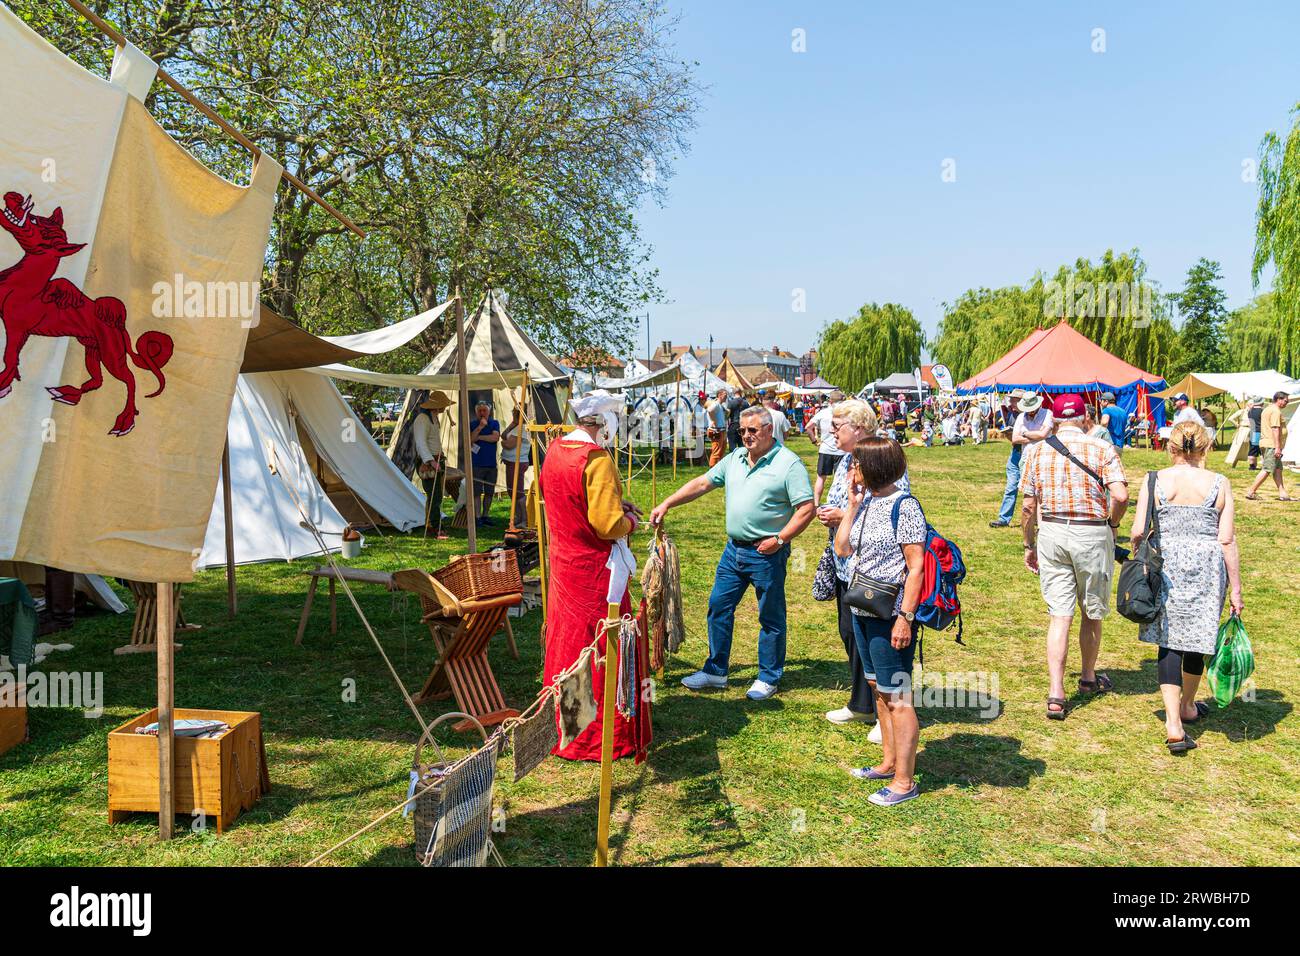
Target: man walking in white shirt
(1033,424)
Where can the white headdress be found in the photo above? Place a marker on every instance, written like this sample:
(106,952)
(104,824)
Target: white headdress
(599,403)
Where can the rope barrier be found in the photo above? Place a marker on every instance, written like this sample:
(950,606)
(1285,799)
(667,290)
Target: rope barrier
(503,729)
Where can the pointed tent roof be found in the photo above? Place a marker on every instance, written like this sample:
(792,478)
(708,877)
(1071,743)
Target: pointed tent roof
(1056,359)
(731,375)
(818,384)
(494,343)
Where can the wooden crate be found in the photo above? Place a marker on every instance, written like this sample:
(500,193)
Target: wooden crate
(222,777)
(13,716)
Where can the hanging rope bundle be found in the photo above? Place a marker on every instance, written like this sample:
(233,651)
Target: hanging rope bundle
(652,587)
(674,621)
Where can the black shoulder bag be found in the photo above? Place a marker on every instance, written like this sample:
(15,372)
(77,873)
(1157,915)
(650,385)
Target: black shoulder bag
(1137,594)
(877,598)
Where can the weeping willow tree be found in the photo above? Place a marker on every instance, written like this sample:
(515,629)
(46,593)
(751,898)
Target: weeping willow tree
(1111,302)
(1252,337)
(1277,237)
(879,340)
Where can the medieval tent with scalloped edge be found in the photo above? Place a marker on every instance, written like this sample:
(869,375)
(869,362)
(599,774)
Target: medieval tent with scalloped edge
(1060,359)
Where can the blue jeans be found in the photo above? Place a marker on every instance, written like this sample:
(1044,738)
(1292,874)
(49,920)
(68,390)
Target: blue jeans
(1013,484)
(738,568)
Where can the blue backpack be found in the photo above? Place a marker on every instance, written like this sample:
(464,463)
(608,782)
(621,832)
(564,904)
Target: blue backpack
(942,571)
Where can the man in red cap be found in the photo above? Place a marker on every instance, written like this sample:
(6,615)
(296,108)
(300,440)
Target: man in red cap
(1075,494)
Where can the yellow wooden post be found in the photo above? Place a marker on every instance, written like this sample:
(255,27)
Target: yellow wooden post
(540,431)
(659,540)
(607,715)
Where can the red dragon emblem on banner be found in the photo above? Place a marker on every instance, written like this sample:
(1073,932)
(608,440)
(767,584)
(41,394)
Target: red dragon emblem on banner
(33,302)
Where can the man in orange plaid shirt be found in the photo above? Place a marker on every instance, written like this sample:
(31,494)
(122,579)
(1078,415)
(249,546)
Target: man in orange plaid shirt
(1075,494)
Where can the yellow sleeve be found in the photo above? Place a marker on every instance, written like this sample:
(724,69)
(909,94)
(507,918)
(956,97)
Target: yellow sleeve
(605,498)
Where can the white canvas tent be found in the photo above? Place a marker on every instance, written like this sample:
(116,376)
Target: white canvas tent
(293,427)
(1240,385)
(497,352)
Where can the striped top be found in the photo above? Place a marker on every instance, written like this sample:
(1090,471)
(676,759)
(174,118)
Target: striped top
(1062,488)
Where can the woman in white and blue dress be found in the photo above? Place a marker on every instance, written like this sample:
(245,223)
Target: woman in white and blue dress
(891,554)
(851,421)
(1198,542)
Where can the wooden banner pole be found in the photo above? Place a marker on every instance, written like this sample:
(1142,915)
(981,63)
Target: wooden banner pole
(607,714)
(166,699)
(466,456)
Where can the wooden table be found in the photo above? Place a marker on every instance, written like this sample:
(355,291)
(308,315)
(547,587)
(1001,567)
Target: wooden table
(333,575)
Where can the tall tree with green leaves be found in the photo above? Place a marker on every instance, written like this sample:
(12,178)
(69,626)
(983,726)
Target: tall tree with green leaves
(1251,337)
(480,143)
(1277,235)
(1201,304)
(1110,302)
(879,340)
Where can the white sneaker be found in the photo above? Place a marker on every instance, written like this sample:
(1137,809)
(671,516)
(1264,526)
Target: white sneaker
(702,681)
(761,690)
(875,736)
(844,716)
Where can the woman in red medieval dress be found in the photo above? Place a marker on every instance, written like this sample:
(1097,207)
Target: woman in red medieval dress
(590,564)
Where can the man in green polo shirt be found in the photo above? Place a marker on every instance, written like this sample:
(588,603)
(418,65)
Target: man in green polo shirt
(769,502)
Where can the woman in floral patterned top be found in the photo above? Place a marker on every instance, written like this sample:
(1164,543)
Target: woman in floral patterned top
(852,421)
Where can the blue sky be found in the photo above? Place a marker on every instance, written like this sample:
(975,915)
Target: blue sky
(822,170)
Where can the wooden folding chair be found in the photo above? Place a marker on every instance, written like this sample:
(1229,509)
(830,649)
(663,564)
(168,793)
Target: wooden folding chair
(144,629)
(461,632)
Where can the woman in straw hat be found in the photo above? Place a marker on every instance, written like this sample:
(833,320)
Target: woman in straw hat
(433,464)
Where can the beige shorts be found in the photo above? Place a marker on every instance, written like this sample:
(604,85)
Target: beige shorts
(1272,460)
(1075,564)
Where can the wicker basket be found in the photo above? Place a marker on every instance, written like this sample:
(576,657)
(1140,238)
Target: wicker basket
(427,806)
(474,577)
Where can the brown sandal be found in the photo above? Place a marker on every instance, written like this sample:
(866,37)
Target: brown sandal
(1099,685)
(1056,714)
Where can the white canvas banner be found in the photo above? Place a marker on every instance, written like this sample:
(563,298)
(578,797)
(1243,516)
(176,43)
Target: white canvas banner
(128,280)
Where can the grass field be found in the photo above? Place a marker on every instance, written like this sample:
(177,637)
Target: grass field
(728,781)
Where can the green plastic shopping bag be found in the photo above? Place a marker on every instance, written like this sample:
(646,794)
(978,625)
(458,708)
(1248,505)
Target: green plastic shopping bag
(1233,661)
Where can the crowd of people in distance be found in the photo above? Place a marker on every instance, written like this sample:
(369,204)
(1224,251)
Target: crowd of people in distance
(1064,463)
(1063,466)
